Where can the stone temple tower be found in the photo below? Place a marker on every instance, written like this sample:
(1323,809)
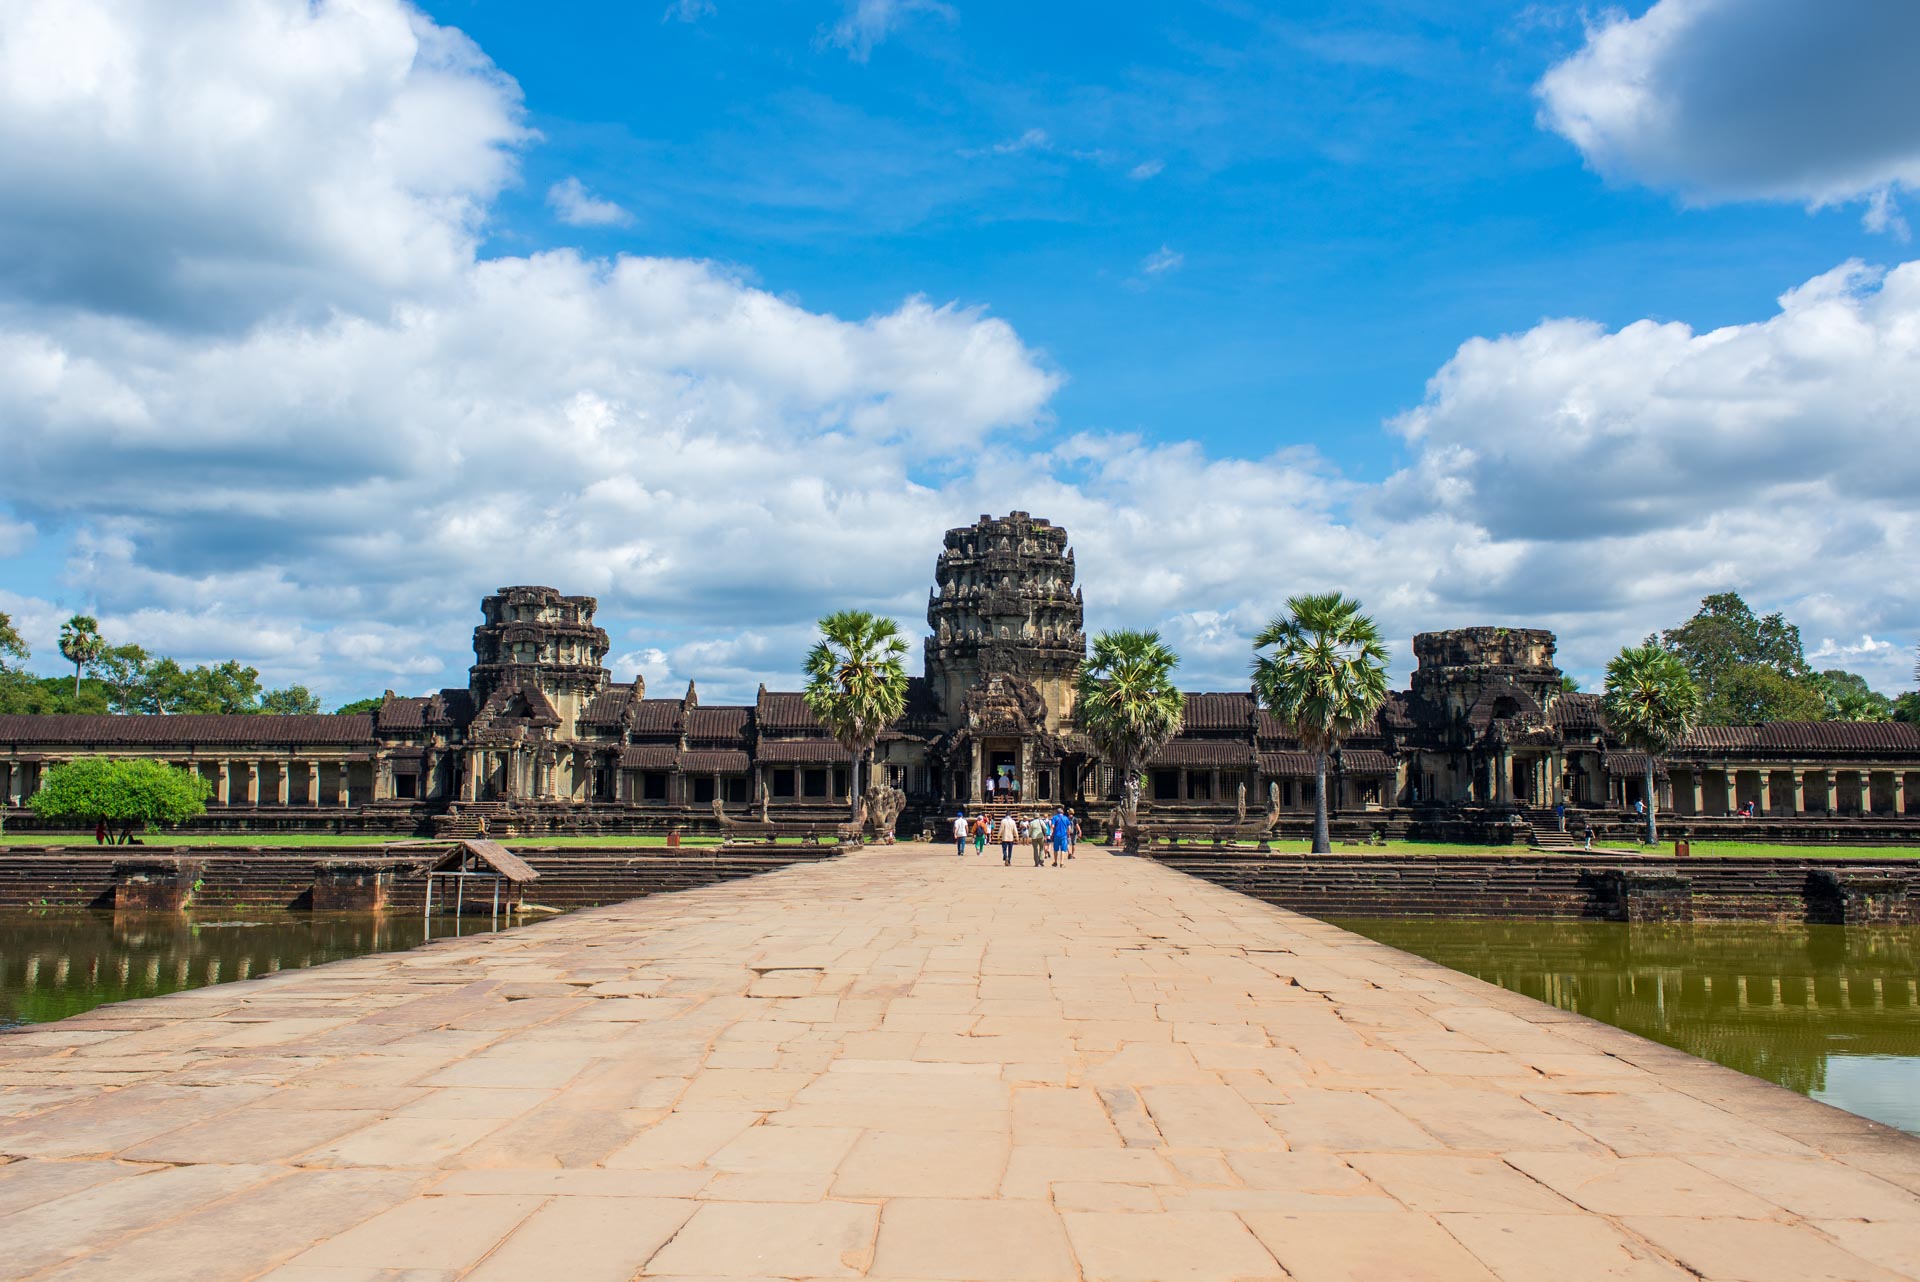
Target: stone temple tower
(541,653)
(1005,605)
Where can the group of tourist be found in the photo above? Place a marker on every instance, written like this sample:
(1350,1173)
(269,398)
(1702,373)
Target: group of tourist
(1058,832)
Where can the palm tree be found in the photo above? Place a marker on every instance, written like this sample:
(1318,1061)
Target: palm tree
(1325,678)
(857,682)
(1129,707)
(1652,702)
(81,642)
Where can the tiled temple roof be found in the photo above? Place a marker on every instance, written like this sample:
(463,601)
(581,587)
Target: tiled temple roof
(1228,711)
(649,756)
(1576,711)
(188,729)
(1206,753)
(718,724)
(716,762)
(784,710)
(809,752)
(1779,738)
(1353,761)
(657,716)
(606,707)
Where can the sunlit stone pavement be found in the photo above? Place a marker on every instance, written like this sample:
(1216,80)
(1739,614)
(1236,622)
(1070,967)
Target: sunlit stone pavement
(905,1065)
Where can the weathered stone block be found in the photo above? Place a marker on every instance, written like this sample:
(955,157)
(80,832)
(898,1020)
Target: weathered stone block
(1857,897)
(154,884)
(349,887)
(1632,896)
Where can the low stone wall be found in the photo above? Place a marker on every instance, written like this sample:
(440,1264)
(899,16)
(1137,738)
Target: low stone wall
(223,878)
(1847,891)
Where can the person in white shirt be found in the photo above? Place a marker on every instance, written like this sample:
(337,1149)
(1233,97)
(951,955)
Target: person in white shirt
(960,834)
(1009,833)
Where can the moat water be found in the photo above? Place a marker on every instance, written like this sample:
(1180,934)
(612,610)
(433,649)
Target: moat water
(1829,1011)
(59,963)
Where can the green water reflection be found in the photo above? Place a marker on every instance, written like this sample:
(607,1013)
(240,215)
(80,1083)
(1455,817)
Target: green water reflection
(56,964)
(1829,1011)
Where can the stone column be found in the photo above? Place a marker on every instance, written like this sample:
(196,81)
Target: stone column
(1900,792)
(974,781)
(1799,791)
(6,783)
(1866,792)
(1698,776)
(1729,792)
(223,784)
(253,782)
(313,784)
(284,787)
(1833,791)
(1502,776)
(1766,792)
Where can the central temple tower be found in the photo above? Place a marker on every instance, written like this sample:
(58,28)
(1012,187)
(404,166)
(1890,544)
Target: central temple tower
(1007,637)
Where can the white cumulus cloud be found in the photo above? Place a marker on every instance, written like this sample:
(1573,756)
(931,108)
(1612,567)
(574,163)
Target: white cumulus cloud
(1749,99)
(221,160)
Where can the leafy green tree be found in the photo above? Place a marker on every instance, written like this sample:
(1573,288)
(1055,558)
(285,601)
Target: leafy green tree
(1569,685)
(1748,668)
(1749,694)
(295,699)
(23,692)
(1907,708)
(1652,703)
(360,705)
(81,642)
(230,687)
(122,670)
(1325,677)
(1126,702)
(124,794)
(1849,697)
(857,682)
(12,645)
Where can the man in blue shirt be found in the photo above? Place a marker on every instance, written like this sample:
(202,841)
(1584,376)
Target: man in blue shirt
(1062,833)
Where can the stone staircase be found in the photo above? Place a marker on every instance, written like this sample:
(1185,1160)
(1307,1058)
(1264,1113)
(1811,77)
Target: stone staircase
(467,818)
(1543,829)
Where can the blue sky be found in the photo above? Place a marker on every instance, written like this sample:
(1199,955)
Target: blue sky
(1350,190)
(319,321)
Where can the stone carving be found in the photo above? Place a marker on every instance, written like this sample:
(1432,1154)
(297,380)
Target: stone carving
(882,804)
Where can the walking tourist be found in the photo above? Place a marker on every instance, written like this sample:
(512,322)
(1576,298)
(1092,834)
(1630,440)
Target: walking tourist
(1073,835)
(960,833)
(1037,832)
(980,835)
(1589,845)
(1061,828)
(1009,833)
(1560,814)
(989,787)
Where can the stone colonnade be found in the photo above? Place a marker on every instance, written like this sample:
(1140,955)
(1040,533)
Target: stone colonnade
(238,780)
(1794,789)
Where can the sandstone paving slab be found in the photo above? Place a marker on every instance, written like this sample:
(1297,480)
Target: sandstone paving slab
(909,1067)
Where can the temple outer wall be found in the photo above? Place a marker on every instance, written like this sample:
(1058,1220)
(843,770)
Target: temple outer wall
(1554,886)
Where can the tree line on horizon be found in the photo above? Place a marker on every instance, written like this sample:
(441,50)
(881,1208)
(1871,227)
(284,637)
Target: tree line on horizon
(126,678)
